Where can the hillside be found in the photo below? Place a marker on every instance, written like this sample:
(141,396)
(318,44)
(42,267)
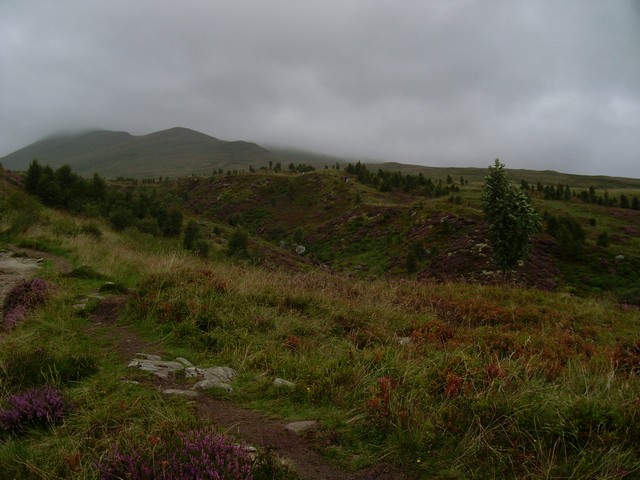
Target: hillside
(173,152)
(428,373)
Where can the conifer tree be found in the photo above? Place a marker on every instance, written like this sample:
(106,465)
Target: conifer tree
(512,219)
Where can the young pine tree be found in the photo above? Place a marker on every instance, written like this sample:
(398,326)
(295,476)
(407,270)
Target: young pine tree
(512,219)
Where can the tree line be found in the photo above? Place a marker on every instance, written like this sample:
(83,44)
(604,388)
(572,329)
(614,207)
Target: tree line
(123,207)
(590,195)
(385,181)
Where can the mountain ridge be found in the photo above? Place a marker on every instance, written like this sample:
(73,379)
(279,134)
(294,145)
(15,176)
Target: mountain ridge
(176,151)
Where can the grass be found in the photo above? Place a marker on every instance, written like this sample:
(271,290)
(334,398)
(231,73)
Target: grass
(494,381)
(346,335)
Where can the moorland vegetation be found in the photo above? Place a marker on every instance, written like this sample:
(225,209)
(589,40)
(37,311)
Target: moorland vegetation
(397,326)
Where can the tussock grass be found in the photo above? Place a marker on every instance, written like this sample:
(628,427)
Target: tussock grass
(494,381)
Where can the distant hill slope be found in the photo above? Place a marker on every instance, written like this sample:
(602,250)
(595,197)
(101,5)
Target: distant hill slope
(173,152)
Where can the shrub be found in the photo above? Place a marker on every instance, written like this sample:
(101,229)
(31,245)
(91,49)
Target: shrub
(34,407)
(121,219)
(202,248)
(92,230)
(238,243)
(85,272)
(191,236)
(194,454)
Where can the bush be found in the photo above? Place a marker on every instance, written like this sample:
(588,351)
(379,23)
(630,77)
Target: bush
(92,230)
(603,239)
(34,407)
(238,243)
(194,454)
(85,272)
(191,236)
(202,248)
(121,219)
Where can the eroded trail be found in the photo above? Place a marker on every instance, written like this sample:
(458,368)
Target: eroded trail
(252,427)
(20,264)
(14,269)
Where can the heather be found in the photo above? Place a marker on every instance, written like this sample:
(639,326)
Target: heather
(39,406)
(450,370)
(24,296)
(194,454)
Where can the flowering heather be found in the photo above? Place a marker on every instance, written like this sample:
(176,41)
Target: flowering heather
(26,294)
(36,406)
(14,316)
(197,454)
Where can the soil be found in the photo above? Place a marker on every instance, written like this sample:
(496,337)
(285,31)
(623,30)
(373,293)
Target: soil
(252,427)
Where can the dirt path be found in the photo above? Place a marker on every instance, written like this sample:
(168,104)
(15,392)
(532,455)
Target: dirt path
(13,270)
(253,427)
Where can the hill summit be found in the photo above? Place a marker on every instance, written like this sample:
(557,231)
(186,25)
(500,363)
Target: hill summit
(173,152)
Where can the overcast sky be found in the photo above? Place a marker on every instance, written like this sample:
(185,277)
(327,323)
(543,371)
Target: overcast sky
(540,84)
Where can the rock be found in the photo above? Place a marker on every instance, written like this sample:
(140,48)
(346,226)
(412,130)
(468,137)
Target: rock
(160,368)
(300,249)
(281,382)
(147,356)
(129,382)
(221,374)
(184,361)
(619,258)
(404,340)
(180,393)
(298,427)
(206,384)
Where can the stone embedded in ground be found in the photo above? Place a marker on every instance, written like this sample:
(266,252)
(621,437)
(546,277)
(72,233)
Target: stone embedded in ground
(160,368)
(180,393)
(298,427)
(404,340)
(213,377)
(281,382)
(206,384)
(184,361)
(222,374)
(147,356)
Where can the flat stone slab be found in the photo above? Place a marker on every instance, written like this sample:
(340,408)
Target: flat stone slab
(298,427)
(206,384)
(161,368)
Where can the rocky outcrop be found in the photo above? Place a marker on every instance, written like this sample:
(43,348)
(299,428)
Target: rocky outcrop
(212,377)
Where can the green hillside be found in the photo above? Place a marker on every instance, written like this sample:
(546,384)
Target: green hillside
(438,368)
(173,152)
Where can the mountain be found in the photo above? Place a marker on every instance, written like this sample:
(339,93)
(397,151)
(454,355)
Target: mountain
(173,152)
